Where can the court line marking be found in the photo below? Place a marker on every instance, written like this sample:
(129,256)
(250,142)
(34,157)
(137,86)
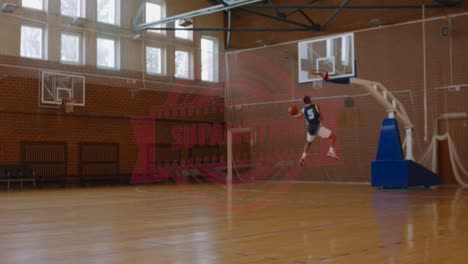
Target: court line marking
(326,182)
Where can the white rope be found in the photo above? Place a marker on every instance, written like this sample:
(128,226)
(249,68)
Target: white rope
(424,71)
(456,157)
(455,162)
(427,153)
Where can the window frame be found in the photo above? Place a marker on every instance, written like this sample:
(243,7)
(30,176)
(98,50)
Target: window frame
(162,4)
(82,9)
(44,43)
(117,15)
(190,32)
(80,48)
(162,59)
(190,64)
(116,53)
(215,59)
(43,8)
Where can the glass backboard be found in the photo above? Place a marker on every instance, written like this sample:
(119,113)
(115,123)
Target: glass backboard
(334,54)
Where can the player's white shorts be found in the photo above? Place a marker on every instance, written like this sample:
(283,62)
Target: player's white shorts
(323,132)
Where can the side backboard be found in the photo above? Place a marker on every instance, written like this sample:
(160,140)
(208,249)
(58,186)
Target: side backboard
(334,54)
(56,87)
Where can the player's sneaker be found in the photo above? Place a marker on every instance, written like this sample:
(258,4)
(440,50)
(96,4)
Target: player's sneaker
(332,154)
(301,162)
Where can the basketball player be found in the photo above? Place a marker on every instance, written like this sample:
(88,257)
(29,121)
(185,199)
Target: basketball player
(314,119)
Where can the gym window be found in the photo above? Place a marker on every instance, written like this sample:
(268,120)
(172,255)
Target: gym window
(71,48)
(155,10)
(209,59)
(32,42)
(72,8)
(108,11)
(34,4)
(155,60)
(107,52)
(183,64)
(183,34)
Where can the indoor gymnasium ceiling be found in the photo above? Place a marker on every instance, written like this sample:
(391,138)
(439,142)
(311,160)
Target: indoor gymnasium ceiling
(327,16)
(253,23)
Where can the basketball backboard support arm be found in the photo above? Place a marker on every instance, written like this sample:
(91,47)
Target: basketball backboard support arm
(392,105)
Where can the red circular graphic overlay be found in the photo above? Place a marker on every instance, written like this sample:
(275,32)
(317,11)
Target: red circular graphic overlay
(200,120)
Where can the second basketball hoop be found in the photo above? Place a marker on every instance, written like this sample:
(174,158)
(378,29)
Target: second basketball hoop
(68,105)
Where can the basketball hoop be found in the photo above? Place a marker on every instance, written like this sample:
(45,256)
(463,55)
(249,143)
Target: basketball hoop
(68,103)
(322,75)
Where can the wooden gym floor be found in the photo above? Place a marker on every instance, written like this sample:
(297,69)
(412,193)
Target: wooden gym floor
(310,223)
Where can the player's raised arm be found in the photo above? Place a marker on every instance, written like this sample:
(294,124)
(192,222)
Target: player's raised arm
(293,112)
(298,115)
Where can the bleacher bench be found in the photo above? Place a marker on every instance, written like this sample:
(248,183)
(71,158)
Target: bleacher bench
(16,174)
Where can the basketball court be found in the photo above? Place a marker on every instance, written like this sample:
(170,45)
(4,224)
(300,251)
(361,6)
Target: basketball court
(233,131)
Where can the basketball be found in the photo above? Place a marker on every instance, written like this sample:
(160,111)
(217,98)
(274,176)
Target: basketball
(292,110)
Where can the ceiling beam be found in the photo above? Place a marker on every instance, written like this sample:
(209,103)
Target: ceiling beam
(458,2)
(192,14)
(276,18)
(315,25)
(222,2)
(248,6)
(236,29)
(337,11)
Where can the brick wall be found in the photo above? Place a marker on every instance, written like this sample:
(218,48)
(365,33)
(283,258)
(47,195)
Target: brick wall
(392,56)
(112,114)
(120,104)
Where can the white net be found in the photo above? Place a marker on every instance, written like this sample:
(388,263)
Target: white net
(317,85)
(68,105)
(430,159)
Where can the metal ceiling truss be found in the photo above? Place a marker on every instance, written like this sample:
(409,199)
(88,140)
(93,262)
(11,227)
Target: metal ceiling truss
(265,8)
(226,5)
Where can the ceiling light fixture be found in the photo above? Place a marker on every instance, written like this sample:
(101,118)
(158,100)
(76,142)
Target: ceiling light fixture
(8,8)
